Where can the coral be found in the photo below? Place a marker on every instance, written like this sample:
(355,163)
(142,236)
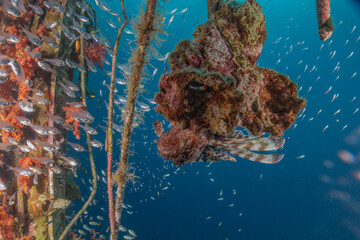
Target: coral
(215,85)
(95,52)
(41,30)
(26,238)
(7,115)
(326,26)
(6,224)
(182,145)
(17,51)
(27,181)
(69,119)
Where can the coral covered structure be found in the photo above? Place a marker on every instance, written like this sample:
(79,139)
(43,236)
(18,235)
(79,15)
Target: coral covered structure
(215,85)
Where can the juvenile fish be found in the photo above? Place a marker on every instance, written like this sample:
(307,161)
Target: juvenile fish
(34,54)
(56,5)
(26,106)
(45,66)
(95,143)
(21,171)
(71,85)
(57,119)
(77,147)
(23,120)
(17,69)
(32,37)
(40,100)
(67,32)
(52,44)
(69,160)
(36,9)
(2,185)
(55,61)
(6,126)
(4,102)
(7,146)
(67,90)
(39,129)
(89,130)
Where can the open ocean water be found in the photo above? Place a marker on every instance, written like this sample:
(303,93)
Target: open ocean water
(313,193)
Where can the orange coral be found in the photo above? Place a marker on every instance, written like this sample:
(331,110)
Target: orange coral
(41,30)
(7,114)
(26,181)
(26,238)
(6,225)
(23,91)
(69,119)
(18,52)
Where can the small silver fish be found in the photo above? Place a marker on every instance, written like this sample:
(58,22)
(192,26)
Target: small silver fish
(67,90)
(33,38)
(39,129)
(69,160)
(3,73)
(128,237)
(71,85)
(21,171)
(39,100)
(68,127)
(82,18)
(7,146)
(17,69)
(57,119)
(4,102)
(55,61)
(26,106)
(52,44)
(45,66)
(2,185)
(23,120)
(50,25)
(77,147)
(36,9)
(34,54)
(24,148)
(70,63)
(67,32)
(95,143)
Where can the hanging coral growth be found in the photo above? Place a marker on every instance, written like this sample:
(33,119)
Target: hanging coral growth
(215,85)
(326,26)
(95,52)
(146,27)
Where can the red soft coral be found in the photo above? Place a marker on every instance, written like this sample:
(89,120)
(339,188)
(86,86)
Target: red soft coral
(95,52)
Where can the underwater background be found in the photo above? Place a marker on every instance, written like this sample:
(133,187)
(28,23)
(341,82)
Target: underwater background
(313,193)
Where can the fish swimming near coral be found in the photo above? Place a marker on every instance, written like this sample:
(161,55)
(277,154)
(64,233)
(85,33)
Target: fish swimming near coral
(215,86)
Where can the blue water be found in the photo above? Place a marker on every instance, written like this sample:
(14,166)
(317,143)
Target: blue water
(287,200)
